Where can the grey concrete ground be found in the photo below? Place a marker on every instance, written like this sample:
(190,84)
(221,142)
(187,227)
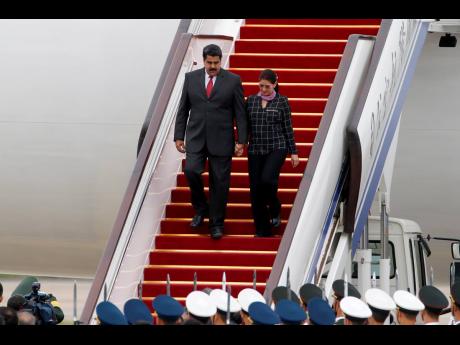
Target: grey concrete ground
(62,288)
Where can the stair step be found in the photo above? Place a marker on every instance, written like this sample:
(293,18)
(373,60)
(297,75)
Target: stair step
(206,273)
(216,257)
(287,75)
(313,21)
(236,195)
(290,46)
(231,227)
(240,164)
(306,120)
(296,90)
(275,61)
(241,180)
(233,211)
(197,242)
(307,105)
(337,32)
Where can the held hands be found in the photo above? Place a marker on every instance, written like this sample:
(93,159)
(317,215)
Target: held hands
(239,148)
(295,160)
(180,146)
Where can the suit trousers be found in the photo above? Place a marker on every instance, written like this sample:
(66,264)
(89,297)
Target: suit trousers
(264,171)
(219,183)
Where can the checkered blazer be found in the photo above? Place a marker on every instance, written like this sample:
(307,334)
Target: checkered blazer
(270,128)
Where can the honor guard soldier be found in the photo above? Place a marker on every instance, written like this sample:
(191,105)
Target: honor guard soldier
(168,310)
(338,288)
(200,307)
(307,292)
(380,303)
(455,302)
(281,292)
(356,311)
(434,301)
(137,313)
(220,299)
(319,312)
(245,298)
(261,314)
(108,314)
(407,307)
(290,312)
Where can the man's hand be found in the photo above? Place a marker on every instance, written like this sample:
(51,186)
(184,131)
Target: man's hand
(295,160)
(180,146)
(239,148)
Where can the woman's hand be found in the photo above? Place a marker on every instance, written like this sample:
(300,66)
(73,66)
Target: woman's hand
(295,160)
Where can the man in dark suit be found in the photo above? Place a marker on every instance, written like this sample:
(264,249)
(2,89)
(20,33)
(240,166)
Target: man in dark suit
(211,98)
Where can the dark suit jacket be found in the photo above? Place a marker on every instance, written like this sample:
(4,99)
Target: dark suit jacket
(210,121)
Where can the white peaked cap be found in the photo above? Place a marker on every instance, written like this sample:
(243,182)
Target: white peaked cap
(220,299)
(248,296)
(200,304)
(405,300)
(379,299)
(354,307)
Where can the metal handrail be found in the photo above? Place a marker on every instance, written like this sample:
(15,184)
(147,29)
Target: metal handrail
(180,48)
(183,27)
(145,165)
(307,178)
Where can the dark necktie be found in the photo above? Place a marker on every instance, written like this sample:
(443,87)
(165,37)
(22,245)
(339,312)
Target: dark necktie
(209,87)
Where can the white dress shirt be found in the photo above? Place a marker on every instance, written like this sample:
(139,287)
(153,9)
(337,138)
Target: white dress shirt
(206,80)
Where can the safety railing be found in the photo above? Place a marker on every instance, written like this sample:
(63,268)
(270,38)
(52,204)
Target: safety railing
(311,220)
(121,266)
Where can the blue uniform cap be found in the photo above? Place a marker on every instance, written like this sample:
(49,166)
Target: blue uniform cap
(109,314)
(319,312)
(262,314)
(135,310)
(290,312)
(167,307)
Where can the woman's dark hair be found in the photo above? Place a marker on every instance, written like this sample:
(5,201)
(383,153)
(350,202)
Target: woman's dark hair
(212,50)
(270,75)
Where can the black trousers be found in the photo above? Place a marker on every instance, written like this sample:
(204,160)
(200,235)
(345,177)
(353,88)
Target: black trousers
(219,183)
(264,172)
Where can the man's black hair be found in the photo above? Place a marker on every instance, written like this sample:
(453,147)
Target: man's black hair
(16,302)
(192,321)
(203,320)
(379,315)
(1,289)
(212,50)
(10,315)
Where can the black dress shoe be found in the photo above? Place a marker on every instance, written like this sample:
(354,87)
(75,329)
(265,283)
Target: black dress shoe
(276,222)
(197,220)
(217,232)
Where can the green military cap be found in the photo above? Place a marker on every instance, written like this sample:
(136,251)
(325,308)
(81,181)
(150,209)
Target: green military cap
(339,289)
(25,286)
(433,299)
(308,291)
(281,292)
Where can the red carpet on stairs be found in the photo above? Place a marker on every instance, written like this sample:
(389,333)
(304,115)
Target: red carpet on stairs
(305,53)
